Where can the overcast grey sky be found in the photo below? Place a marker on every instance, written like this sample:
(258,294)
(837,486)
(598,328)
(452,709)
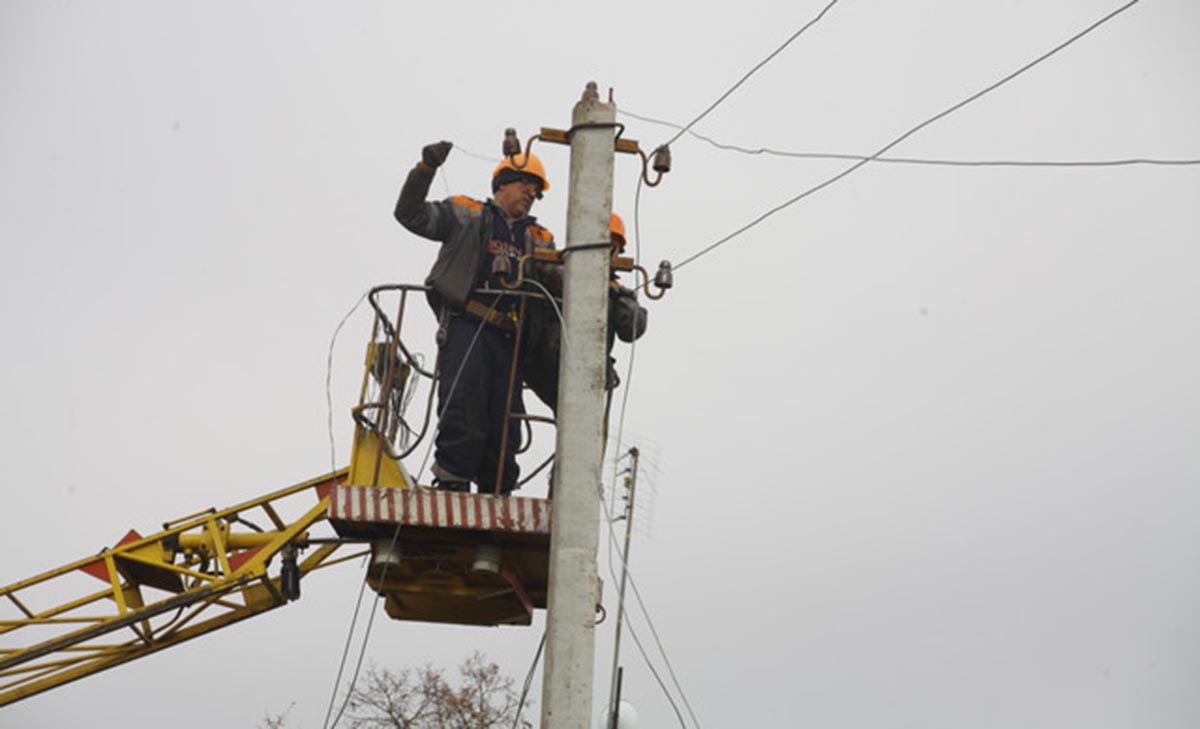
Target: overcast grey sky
(925,443)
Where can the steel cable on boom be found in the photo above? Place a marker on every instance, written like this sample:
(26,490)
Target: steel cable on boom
(940,115)
(751,72)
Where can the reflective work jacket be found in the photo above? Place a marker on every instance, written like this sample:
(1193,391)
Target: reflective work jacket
(464,227)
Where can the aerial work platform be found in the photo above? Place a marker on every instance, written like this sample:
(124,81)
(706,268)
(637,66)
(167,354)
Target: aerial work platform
(436,556)
(450,557)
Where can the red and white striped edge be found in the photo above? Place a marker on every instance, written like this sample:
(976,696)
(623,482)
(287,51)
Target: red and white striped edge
(431,508)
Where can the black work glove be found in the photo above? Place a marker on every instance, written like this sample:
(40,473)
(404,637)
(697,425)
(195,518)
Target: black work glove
(435,154)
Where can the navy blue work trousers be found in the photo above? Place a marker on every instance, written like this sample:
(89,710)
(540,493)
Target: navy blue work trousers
(472,392)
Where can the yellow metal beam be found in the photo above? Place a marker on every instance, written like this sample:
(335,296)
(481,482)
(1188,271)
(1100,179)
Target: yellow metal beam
(52,638)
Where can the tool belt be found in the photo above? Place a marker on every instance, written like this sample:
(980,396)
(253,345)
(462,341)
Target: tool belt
(502,320)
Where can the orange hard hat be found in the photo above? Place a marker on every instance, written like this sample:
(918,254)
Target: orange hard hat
(617,227)
(532,168)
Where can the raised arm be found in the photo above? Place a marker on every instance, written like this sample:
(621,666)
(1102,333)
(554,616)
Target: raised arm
(425,219)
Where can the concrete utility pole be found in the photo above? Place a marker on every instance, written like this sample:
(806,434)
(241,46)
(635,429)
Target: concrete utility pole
(571,602)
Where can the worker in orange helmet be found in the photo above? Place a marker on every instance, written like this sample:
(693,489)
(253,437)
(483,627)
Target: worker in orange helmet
(542,343)
(481,247)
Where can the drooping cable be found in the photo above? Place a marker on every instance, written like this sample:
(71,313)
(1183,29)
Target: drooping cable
(329,379)
(752,71)
(940,115)
(337,681)
(476,155)
(333,468)
(767,151)
(637,253)
(662,650)
(370,623)
(637,247)
(529,680)
(612,492)
(612,539)
(358,663)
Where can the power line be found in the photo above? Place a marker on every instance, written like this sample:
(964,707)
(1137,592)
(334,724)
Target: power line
(529,680)
(637,641)
(612,538)
(909,133)
(337,681)
(918,160)
(752,71)
(637,253)
(476,155)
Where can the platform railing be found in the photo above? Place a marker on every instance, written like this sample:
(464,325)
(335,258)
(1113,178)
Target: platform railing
(385,435)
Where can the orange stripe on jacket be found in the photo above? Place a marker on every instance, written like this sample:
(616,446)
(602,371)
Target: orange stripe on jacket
(467,202)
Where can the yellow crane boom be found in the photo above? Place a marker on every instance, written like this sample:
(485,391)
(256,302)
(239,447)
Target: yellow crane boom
(200,573)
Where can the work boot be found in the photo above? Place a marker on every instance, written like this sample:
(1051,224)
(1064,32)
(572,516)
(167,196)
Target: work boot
(444,480)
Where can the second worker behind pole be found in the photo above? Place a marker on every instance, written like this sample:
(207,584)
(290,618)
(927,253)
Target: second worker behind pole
(482,243)
(542,341)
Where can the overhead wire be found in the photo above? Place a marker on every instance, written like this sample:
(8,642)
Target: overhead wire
(337,681)
(752,71)
(529,680)
(637,251)
(662,650)
(907,134)
(861,160)
(641,649)
(918,160)
(637,248)
(476,155)
(612,538)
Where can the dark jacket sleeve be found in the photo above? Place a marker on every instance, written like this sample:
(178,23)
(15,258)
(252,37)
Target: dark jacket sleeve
(551,276)
(426,219)
(625,316)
